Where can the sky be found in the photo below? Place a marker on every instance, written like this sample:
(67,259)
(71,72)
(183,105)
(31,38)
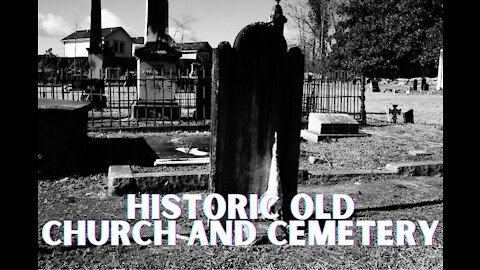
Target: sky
(214,20)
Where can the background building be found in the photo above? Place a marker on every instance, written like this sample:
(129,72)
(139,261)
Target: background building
(116,38)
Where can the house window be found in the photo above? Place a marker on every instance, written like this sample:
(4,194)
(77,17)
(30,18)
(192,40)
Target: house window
(118,46)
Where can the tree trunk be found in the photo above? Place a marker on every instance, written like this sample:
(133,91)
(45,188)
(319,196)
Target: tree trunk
(321,40)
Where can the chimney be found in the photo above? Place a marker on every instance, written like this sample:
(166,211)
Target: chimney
(156,21)
(95,27)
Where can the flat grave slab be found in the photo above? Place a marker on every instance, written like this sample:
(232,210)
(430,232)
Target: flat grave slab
(63,105)
(316,137)
(325,123)
(417,168)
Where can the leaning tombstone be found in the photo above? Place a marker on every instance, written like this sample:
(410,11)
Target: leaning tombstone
(256,114)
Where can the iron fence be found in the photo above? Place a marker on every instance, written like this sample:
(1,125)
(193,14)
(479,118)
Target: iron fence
(334,92)
(124,103)
(121,102)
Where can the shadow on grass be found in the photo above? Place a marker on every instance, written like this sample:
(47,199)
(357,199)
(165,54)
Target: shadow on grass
(103,152)
(99,154)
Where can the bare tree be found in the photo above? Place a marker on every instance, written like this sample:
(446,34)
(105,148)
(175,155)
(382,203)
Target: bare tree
(303,25)
(326,18)
(183,28)
(313,20)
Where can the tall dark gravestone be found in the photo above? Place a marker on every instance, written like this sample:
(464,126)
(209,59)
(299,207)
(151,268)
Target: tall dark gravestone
(256,103)
(94,86)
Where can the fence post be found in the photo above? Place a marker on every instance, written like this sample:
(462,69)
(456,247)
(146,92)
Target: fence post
(363,112)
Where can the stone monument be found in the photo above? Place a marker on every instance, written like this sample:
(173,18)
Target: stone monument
(157,63)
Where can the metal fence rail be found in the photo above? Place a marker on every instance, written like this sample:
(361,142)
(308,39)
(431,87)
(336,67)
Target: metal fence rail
(334,92)
(185,101)
(118,104)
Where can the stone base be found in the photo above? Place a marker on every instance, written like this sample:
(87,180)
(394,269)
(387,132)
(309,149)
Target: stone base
(419,168)
(122,181)
(182,161)
(325,123)
(316,137)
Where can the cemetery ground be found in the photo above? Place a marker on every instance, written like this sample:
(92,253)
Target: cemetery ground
(377,197)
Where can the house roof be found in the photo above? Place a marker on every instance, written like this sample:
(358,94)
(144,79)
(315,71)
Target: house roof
(86,33)
(194,46)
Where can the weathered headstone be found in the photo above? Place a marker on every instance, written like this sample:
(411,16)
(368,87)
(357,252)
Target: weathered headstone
(257,91)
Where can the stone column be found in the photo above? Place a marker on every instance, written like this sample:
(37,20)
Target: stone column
(156,20)
(95,56)
(95,27)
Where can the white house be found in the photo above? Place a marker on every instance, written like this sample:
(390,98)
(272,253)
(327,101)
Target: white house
(77,43)
(137,42)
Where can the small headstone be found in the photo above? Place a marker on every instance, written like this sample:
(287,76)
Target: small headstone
(375,87)
(408,116)
(424,85)
(415,84)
